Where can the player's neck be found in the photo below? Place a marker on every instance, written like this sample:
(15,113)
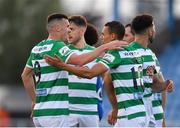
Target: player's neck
(142,39)
(54,37)
(81,43)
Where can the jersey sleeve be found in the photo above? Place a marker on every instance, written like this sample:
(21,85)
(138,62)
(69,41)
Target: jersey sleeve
(29,62)
(64,52)
(111,59)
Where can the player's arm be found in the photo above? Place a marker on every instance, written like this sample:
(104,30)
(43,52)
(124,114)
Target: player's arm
(112,117)
(90,56)
(163,97)
(27,78)
(84,72)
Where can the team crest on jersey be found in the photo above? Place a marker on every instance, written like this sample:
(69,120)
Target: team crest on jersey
(108,57)
(63,51)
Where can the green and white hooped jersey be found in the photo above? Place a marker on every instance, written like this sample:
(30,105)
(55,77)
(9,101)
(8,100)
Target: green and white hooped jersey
(83,97)
(157,99)
(126,73)
(51,82)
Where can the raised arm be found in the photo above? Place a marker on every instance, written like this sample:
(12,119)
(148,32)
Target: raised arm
(90,56)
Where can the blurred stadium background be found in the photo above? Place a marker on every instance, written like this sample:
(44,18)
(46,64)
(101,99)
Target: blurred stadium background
(22,24)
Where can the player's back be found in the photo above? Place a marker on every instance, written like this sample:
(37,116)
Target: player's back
(130,87)
(51,82)
(126,71)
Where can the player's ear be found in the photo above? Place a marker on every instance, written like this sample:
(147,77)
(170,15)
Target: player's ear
(150,31)
(113,36)
(81,30)
(57,28)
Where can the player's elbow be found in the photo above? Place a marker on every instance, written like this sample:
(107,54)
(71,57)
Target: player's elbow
(23,76)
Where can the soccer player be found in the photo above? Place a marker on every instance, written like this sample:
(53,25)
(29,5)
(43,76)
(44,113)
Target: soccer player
(156,100)
(113,30)
(144,29)
(83,98)
(156,97)
(49,94)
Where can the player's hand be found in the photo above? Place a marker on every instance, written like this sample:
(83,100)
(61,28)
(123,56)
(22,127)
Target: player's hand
(32,108)
(54,61)
(169,86)
(112,116)
(116,44)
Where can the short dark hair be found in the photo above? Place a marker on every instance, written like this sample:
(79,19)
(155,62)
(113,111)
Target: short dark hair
(78,20)
(91,35)
(56,16)
(141,22)
(117,28)
(128,25)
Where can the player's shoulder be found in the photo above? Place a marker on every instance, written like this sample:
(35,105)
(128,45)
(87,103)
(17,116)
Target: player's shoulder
(115,52)
(151,53)
(70,46)
(57,43)
(47,46)
(38,46)
(50,42)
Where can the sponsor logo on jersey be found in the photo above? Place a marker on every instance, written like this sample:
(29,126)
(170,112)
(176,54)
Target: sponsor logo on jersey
(131,53)
(108,57)
(40,49)
(63,51)
(41,92)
